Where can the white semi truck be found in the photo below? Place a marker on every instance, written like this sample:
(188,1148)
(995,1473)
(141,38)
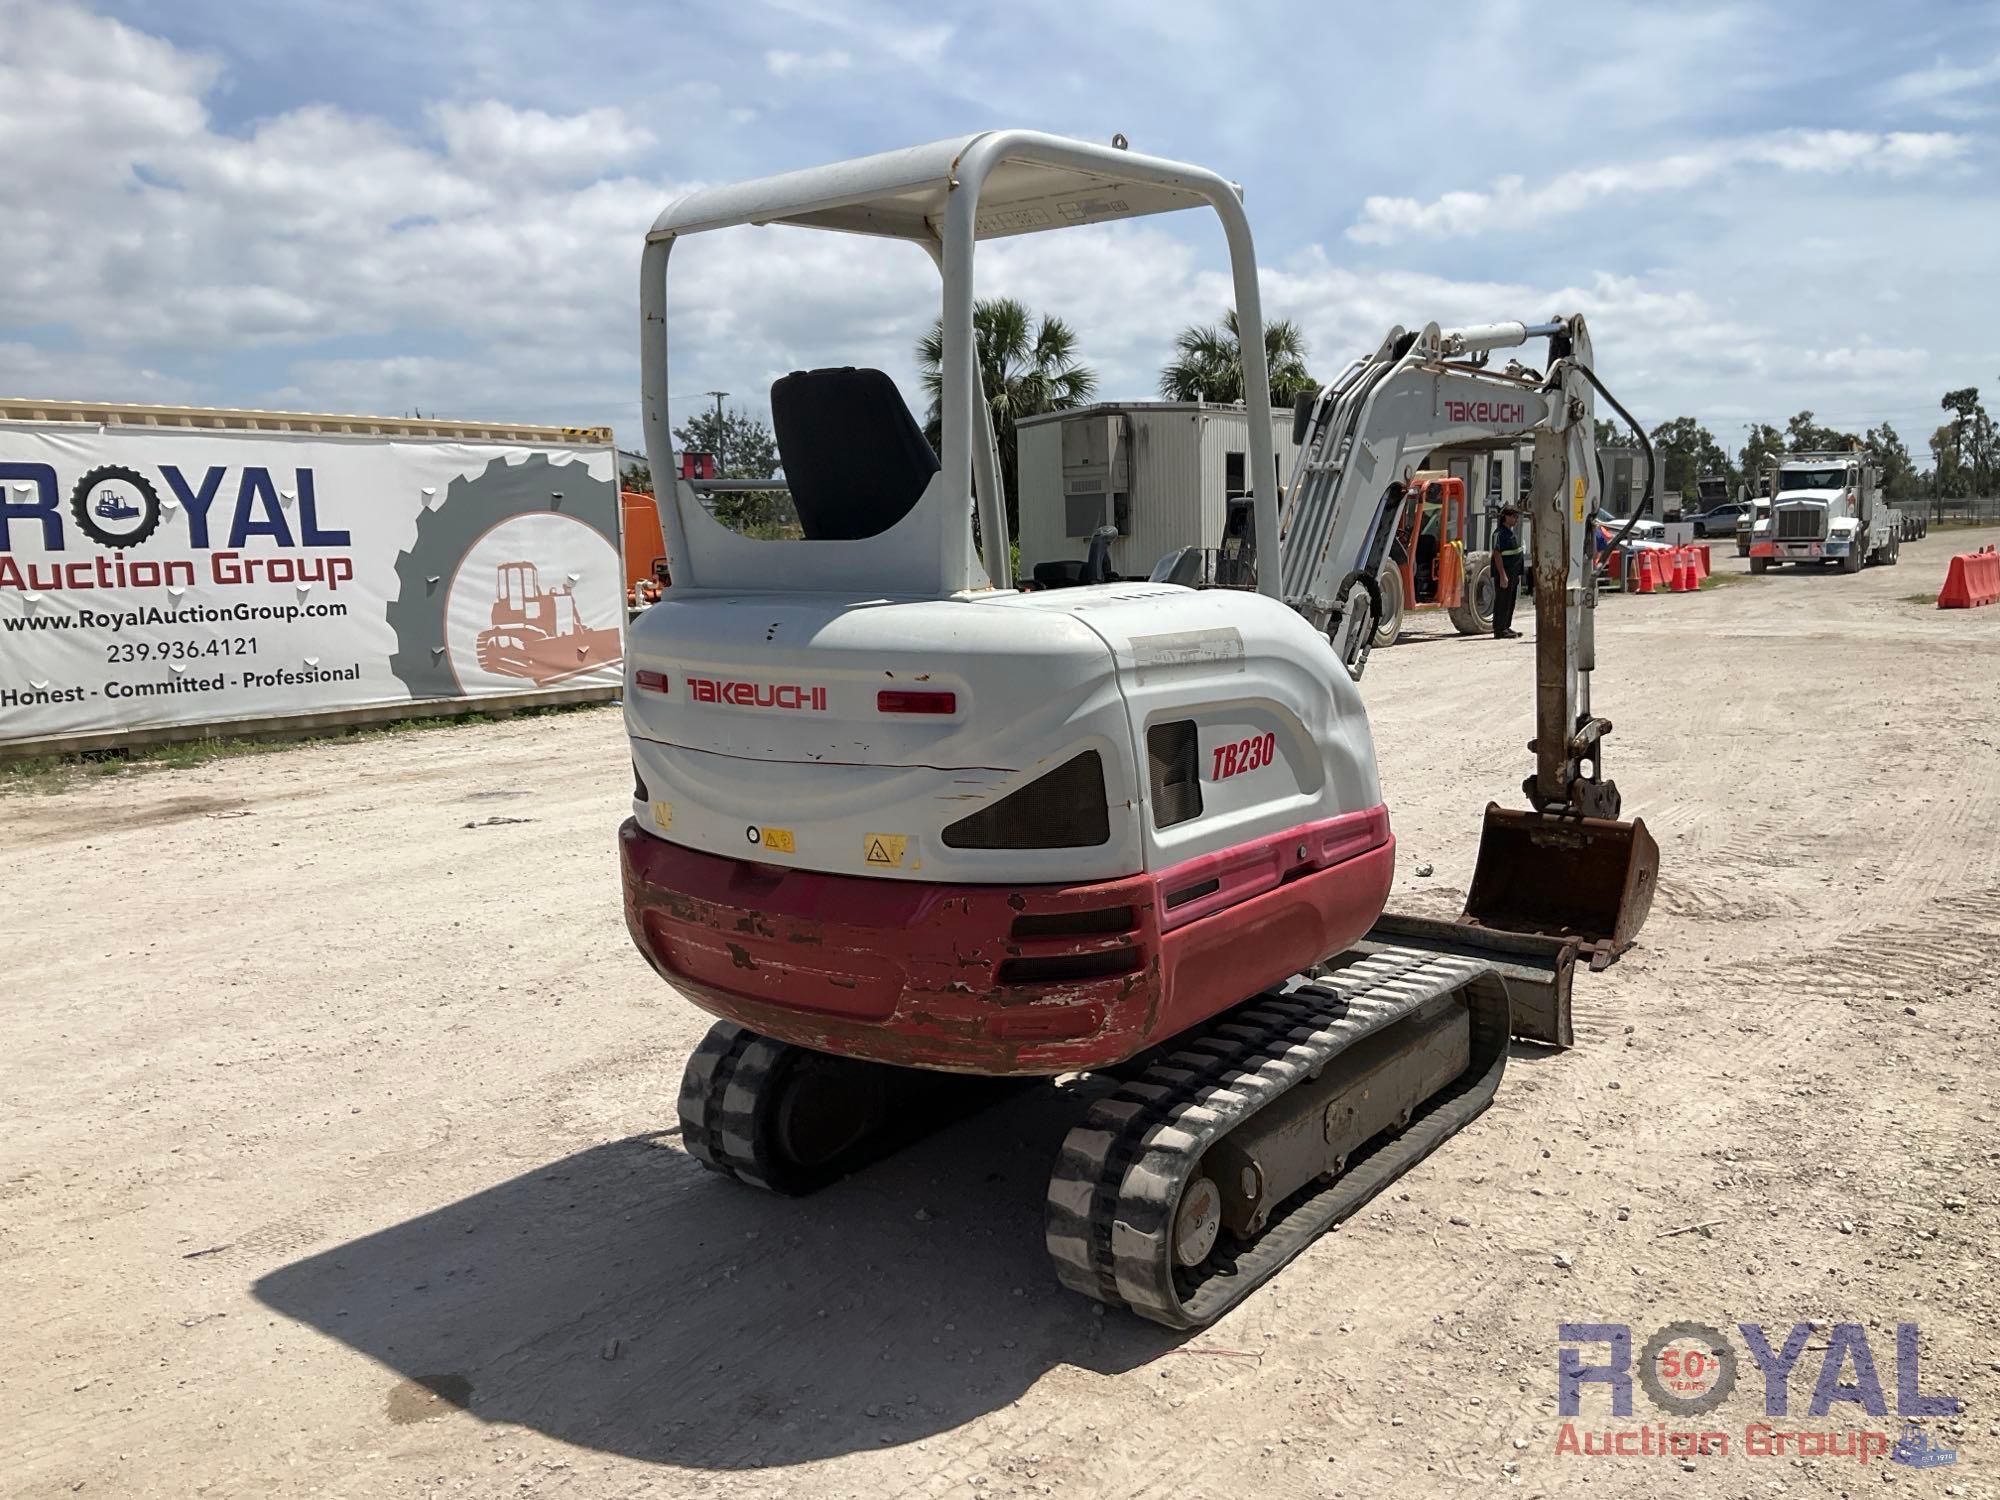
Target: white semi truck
(1827,508)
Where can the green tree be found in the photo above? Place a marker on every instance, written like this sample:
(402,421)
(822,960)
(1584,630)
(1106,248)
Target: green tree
(1805,435)
(1208,363)
(1027,366)
(743,449)
(1984,452)
(638,478)
(1947,478)
(742,445)
(1764,447)
(1687,450)
(1899,472)
(1962,404)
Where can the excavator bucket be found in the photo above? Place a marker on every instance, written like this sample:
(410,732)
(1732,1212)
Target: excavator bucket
(1590,879)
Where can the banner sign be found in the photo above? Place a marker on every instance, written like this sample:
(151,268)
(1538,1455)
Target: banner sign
(167,576)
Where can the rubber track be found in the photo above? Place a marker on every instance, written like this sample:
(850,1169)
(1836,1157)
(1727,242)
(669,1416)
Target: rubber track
(735,1077)
(718,1102)
(1118,1181)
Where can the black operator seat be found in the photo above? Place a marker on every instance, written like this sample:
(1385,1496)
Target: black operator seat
(855,458)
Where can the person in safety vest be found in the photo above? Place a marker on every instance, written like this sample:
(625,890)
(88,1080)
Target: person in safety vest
(1507,556)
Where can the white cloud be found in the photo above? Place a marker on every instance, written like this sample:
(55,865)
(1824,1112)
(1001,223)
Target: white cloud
(1654,343)
(1663,349)
(874,32)
(493,257)
(918,45)
(1511,203)
(1866,363)
(1940,85)
(480,260)
(491,138)
(135,222)
(100,89)
(786,64)
(569,386)
(1126,289)
(33,371)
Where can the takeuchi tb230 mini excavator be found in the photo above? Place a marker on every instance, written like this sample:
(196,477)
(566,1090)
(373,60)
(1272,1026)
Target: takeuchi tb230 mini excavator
(908,830)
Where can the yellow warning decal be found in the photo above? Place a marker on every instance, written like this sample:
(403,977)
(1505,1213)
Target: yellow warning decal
(663,815)
(779,839)
(1576,510)
(885,850)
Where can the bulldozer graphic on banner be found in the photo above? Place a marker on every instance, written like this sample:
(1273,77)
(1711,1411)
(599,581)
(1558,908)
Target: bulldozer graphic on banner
(482,513)
(538,633)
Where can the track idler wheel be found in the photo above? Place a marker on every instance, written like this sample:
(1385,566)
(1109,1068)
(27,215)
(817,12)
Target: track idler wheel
(790,1120)
(1192,1185)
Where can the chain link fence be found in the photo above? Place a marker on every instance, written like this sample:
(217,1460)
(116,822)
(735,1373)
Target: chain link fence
(1963,510)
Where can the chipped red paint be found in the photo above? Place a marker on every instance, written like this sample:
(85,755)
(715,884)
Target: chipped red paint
(968,978)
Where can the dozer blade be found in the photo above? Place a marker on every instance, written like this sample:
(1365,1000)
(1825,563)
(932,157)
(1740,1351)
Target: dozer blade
(1590,879)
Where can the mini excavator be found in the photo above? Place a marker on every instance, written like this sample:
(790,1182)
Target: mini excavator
(909,831)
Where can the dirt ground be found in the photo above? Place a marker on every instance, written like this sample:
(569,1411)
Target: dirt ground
(339,1152)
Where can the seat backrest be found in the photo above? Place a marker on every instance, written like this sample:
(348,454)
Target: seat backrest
(854,456)
(1183,566)
(1064,572)
(1097,562)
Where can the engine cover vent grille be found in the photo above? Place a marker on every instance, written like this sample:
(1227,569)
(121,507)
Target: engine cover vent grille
(1063,809)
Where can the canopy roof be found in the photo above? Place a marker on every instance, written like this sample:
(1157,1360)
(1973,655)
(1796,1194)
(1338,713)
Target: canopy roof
(1039,182)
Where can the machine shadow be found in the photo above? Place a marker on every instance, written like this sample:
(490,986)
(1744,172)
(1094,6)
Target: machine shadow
(627,1300)
(1408,637)
(1793,572)
(1532,1054)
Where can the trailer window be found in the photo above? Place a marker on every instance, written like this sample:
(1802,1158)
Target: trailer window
(1082,514)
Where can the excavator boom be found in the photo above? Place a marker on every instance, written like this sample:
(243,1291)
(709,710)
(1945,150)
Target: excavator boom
(1566,866)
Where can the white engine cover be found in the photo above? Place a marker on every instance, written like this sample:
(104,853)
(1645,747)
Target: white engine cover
(768,743)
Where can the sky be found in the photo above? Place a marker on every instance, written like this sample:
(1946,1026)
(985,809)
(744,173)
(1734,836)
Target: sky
(438,206)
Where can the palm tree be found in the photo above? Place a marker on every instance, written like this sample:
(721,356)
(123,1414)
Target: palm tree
(1208,363)
(1026,366)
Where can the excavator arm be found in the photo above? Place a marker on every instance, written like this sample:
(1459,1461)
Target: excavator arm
(1566,867)
(1362,436)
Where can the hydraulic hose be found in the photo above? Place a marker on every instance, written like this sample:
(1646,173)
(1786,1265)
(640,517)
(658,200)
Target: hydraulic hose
(1645,445)
(1371,588)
